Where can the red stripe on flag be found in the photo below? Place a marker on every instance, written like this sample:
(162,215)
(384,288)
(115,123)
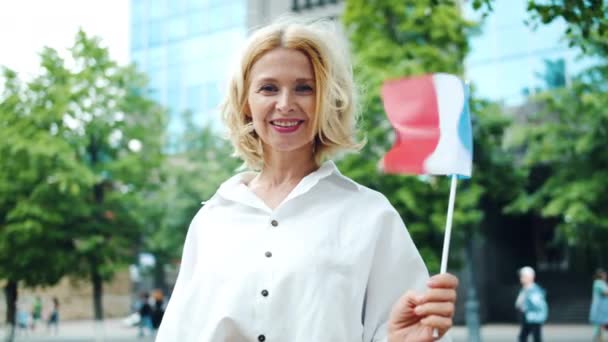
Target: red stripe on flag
(411,107)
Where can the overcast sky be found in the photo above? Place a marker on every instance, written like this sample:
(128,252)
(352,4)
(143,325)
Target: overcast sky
(28,25)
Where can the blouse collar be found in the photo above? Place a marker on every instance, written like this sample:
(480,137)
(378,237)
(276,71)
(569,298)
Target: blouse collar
(235,188)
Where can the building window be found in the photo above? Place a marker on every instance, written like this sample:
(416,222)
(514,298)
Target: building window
(155,32)
(299,5)
(176,53)
(156,57)
(174,100)
(195,98)
(177,6)
(158,9)
(177,28)
(198,22)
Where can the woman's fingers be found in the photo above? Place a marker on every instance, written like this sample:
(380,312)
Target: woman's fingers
(444,309)
(437,295)
(438,322)
(443,280)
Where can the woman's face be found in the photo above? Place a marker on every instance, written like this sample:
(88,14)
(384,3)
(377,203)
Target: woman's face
(281,100)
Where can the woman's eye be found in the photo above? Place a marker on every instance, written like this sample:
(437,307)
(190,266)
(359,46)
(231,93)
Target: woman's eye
(268,88)
(304,88)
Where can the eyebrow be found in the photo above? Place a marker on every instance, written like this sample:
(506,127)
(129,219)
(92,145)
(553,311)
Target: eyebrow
(270,79)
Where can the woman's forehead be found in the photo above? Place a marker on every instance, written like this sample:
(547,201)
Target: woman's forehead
(283,63)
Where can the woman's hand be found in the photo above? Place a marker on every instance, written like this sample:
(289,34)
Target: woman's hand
(415,315)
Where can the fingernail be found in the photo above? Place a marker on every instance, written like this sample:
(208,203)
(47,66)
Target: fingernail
(417,310)
(419,298)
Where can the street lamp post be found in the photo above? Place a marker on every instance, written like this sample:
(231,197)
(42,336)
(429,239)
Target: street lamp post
(471,305)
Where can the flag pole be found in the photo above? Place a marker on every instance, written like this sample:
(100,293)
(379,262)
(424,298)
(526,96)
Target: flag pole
(448,233)
(448,226)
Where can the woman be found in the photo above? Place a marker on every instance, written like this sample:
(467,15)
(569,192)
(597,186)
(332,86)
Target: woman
(296,251)
(598,314)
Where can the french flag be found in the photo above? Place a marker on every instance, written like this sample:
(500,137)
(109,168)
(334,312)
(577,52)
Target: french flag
(430,115)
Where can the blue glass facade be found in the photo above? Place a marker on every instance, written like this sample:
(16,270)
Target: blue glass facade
(184,46)
(508,58)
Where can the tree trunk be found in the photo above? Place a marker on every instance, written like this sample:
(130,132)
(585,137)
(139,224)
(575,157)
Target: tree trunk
(10,292)
(160,277)
(97,290)
(98,194)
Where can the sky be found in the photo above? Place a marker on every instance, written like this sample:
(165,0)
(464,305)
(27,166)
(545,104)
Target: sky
(26,26)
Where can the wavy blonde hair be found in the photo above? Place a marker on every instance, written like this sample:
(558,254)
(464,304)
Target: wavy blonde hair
(334,125)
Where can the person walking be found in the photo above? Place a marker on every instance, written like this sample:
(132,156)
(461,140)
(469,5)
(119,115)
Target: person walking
(598,313)
(158,309)
(145,315)
(36,312)
(54,316)
(532,304)
(23,319)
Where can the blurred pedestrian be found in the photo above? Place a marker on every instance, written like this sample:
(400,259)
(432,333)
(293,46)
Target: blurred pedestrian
(23,319)
(598,314)
(145,315)
(532,304)
(158,309)
(36,311)
(53,321)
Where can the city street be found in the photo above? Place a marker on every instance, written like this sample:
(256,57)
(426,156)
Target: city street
(113,330)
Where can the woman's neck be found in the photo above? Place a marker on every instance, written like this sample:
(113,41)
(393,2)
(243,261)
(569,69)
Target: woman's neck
(282,169)
(281,173)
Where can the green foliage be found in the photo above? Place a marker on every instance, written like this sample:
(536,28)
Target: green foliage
(562,131)
(586,20)
(80,144)
(189,178)
(392,39)
(564,141)
(35,170)
(484,5)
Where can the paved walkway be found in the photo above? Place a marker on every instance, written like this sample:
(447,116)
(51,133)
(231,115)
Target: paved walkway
(86,331)
(508,333)
(115,331)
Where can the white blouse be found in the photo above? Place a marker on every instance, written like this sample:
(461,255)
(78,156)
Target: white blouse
(326,265)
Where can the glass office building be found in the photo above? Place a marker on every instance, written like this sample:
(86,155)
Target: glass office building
(509,60)
(185,47)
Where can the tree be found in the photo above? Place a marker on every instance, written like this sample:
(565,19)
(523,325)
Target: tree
(90,141)
(190,177)
(393,39)
(117,134)
(586,21)
(36,169)
(564,143)
(561,141)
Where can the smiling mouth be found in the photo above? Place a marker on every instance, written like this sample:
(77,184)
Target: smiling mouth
(286,123)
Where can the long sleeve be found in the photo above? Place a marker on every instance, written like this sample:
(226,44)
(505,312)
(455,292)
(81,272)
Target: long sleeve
(519,302)
(396,268)
(173,317)
(326,265)
(604,288)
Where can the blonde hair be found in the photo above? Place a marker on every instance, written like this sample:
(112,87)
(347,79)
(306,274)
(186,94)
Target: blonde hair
(334,125)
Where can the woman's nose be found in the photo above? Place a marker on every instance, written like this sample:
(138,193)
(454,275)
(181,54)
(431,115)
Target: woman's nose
(285,102)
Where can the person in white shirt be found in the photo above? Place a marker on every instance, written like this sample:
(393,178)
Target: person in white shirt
(294,251)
